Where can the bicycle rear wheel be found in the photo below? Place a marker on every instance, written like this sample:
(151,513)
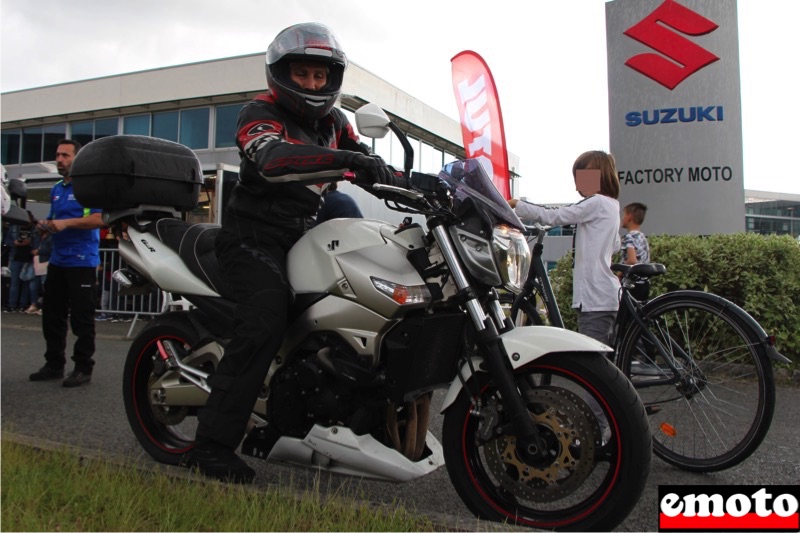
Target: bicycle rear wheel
(705,380)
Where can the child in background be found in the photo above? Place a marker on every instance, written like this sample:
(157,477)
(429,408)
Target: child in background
(595,292)
(634,248)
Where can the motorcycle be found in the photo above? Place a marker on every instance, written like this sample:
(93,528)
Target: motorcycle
(540,429)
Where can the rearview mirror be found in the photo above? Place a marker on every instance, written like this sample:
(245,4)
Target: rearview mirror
(17,189)
(372,121)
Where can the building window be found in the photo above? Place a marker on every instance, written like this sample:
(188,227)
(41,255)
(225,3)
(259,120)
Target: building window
(397,155)
(87,131)
(188,127)
(39,143)
(52,134)
(83,132)
(10,146)
(194,128)
(225,126)
(106,127)
(165,125)
(430,158)
(32,145)
(136,125)
(561,231)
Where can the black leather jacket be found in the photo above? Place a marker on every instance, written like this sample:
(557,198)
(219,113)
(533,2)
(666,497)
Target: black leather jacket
(285,167)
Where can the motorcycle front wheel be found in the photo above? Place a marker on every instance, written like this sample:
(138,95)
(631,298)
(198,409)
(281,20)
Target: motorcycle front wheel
(596,431)
(165,431)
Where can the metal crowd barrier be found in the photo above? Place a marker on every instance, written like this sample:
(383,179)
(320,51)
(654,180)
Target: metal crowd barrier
(127,307)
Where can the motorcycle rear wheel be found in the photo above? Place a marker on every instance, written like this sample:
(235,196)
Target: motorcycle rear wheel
(165,432)
(598,436)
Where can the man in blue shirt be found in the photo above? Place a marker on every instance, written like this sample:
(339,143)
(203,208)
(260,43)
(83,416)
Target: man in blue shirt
(71,277)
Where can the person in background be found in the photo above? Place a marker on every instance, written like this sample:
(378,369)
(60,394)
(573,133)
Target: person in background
(293,142)
(71,293)
(21,238)
(634,248)
(41,254)
(336,204)
(595,292)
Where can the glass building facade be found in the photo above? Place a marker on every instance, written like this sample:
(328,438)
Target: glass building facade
(29,151)
(772,213)
(201,129)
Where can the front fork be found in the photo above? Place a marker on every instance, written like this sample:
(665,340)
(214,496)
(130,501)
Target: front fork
(529,442)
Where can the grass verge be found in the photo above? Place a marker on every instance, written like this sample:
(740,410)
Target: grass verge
(46,490)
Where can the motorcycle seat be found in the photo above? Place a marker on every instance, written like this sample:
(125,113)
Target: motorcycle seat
(194,243)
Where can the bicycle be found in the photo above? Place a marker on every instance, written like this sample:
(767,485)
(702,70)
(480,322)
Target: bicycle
(700,363)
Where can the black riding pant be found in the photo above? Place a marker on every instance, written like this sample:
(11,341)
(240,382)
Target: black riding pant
(256,280)
(71,295)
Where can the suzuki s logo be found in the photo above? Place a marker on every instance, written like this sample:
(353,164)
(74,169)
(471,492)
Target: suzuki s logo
(677,57)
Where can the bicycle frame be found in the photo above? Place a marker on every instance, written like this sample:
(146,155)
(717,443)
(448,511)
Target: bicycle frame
(630,310)
(538,280)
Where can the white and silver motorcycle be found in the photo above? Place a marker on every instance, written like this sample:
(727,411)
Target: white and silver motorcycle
(539,429)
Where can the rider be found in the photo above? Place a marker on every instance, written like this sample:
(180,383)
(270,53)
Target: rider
(292,141)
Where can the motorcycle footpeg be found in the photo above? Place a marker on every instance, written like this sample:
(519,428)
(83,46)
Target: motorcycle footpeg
(259,441)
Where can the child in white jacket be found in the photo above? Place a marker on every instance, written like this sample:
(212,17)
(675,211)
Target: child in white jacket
(595,292)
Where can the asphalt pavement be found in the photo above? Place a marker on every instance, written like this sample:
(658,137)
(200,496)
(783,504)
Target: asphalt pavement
(91,420)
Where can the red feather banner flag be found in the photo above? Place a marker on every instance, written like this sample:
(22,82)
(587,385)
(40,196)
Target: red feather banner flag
(481,119)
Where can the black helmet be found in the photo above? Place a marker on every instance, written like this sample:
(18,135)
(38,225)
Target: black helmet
(309,41)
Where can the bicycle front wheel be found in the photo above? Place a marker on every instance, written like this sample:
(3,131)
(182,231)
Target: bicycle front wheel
(704,378)
(526,309)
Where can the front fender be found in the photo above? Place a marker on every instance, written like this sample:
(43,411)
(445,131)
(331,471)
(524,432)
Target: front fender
(525,344)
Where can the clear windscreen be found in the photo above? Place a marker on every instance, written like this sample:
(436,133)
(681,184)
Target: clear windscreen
(470,183)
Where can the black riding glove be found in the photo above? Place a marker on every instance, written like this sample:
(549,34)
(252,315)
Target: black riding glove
(372,169)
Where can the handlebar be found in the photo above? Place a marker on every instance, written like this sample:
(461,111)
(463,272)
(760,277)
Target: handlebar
(407,193)
(536,228)
(538,231)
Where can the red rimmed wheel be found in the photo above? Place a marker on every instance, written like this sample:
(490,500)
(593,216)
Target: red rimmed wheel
(164,429)
(598,440)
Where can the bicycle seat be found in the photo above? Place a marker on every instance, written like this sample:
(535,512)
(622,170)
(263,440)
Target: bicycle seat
(640,270)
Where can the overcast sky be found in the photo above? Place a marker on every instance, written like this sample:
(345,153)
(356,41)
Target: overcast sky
(547,58)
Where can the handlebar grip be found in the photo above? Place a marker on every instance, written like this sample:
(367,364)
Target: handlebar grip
(349,176)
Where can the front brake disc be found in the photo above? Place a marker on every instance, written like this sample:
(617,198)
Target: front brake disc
(571,433)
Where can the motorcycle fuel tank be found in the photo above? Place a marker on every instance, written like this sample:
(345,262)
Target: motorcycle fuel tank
(341,256)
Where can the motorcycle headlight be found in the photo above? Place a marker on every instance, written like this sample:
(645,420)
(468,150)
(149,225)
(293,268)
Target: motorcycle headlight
(512,255)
